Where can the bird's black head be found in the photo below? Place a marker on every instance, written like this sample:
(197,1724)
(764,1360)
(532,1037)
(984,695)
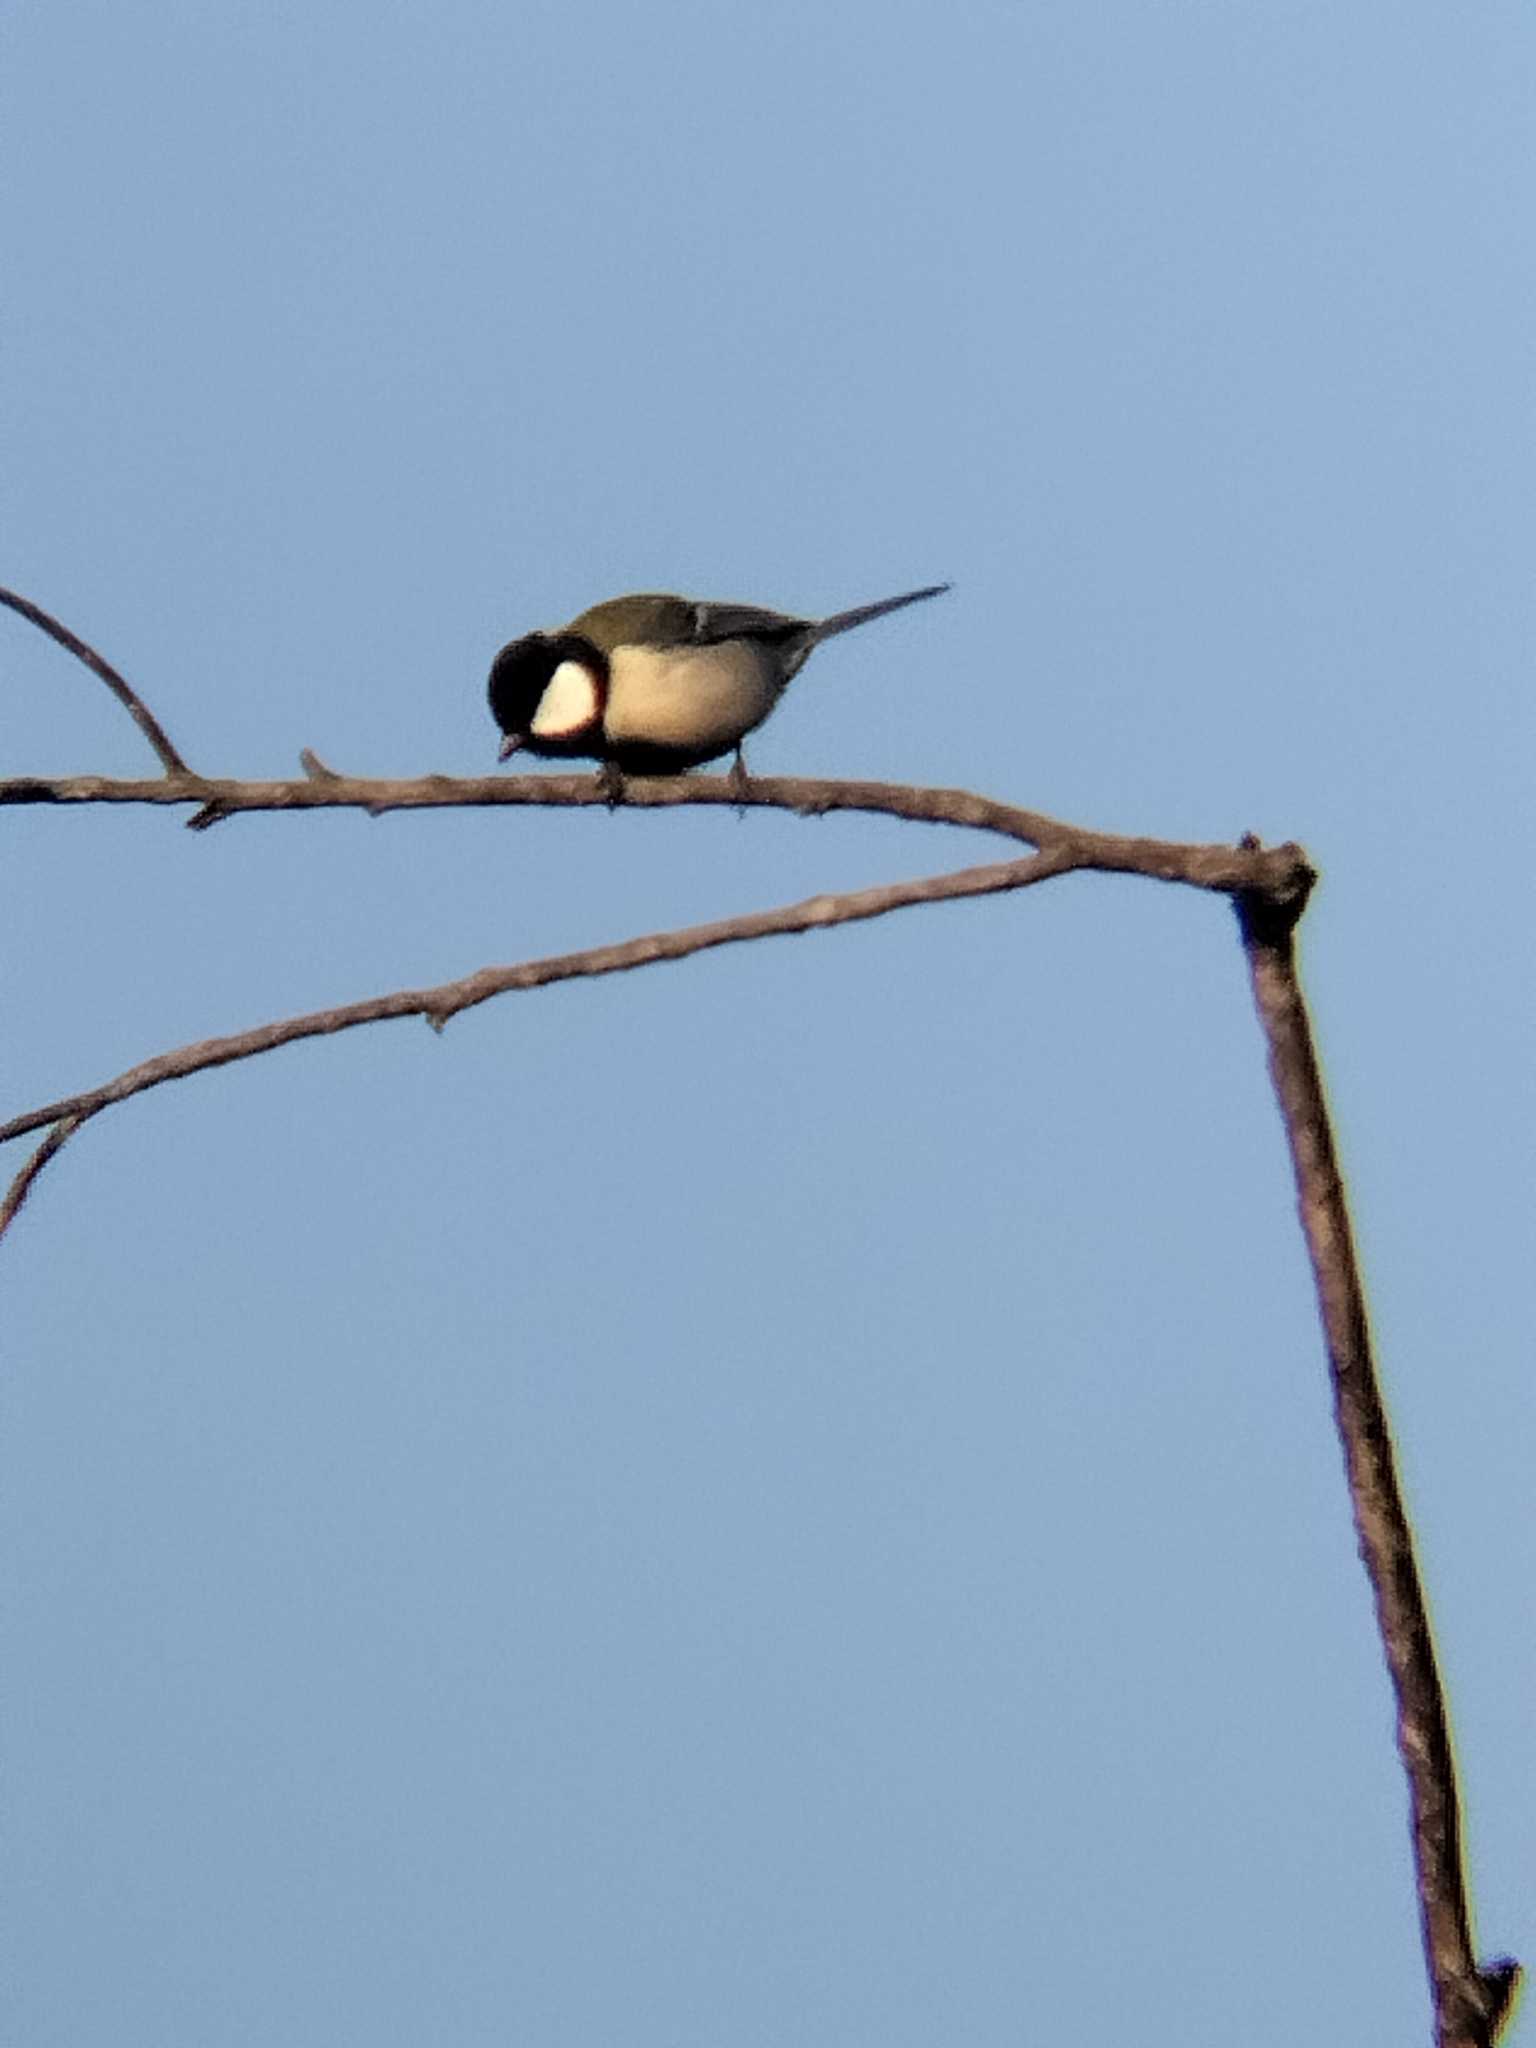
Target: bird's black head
(547,692)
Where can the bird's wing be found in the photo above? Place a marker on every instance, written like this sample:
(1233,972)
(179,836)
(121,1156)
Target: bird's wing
(651,618)
(714,622)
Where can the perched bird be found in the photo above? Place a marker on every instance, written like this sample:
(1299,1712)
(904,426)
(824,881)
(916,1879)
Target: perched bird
(651,685)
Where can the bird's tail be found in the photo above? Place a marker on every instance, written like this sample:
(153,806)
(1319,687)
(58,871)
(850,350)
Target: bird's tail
(844,622)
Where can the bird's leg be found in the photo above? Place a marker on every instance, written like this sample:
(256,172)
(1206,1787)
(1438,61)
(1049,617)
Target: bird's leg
(610,780)
(739,779)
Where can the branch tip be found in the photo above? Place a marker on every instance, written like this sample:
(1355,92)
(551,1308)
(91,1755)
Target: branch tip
(1498,1980)
(1269,913)
(315,768)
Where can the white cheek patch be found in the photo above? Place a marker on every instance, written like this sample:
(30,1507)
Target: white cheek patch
(569,703)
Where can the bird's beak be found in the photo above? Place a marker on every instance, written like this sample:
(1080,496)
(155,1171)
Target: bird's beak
(509,746)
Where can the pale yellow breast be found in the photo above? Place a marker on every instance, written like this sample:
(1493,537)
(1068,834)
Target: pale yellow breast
(697,697)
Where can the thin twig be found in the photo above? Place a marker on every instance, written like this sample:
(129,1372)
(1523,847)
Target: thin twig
(1471,1999)
(438,1004)
(119,685)
(21,1186)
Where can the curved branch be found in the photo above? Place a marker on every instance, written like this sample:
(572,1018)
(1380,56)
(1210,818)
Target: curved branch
(119,685)
(446,1000)
(1281,872)
(21,1186)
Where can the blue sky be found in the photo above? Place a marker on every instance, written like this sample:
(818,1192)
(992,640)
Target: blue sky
(789,1498)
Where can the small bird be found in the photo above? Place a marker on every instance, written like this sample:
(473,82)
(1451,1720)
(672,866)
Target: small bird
(652,684)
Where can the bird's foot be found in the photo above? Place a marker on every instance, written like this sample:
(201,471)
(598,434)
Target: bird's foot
(740,780)
(610,780)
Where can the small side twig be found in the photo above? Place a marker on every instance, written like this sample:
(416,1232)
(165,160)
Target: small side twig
(22,1185)
(1471,2000)
(118,684)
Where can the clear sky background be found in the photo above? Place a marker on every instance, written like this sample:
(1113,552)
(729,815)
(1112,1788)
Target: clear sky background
(790,1498)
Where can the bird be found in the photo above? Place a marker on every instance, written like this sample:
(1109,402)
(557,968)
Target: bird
(654,684)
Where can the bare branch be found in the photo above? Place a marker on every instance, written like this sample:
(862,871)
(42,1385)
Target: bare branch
(21,1186)
(120,687)
(1471,1999)
(1279,871)
(438,1004)
(1270,888)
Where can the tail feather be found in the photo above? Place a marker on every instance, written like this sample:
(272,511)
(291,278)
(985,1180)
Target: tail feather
(844,622)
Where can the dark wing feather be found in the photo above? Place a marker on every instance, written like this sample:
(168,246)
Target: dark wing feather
(714,622)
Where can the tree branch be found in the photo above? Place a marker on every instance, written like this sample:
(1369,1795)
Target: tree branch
(1270,889)
(21,1186)
(120,687)
(1471,2000)
(446,1000)
(1278,871)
